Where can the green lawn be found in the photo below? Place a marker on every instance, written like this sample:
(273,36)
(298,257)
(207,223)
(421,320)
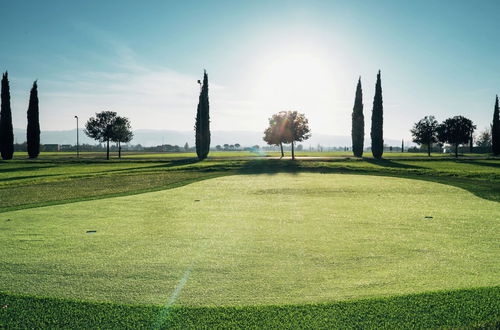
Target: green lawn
(470,309)
(256,239)
(270,243)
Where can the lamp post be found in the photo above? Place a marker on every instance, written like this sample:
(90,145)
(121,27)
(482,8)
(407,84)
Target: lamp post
(77,142)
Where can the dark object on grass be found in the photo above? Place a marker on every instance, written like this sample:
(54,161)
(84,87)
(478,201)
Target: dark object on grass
(196,200)
(428,217)
(91,231)
(8,220)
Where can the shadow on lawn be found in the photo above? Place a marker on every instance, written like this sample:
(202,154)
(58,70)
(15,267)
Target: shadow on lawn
(480,163)
(481,188)
(390,163)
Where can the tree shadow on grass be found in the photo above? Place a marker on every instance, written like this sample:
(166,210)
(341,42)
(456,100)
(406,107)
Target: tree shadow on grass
(269,166)
(165,164)
(390,163)
(484,189)
(480,163)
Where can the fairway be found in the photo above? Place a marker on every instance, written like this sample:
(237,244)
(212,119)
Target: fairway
(256,239)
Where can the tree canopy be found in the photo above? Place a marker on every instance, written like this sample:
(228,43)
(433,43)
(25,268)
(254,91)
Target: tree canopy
(122,132)
(100,128)
(425,132)
(455,131)
(287,127)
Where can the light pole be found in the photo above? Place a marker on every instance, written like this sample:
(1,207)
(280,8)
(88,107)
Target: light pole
(77,142)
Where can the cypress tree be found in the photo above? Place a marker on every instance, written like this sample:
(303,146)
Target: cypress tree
(377,134)
(202,126)
(358,123)
(495,131)
(33,130)
(6,130)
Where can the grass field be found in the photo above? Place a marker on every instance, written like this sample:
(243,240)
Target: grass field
(242,242)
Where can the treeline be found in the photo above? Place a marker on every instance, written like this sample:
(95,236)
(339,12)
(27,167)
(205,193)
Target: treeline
(456,131)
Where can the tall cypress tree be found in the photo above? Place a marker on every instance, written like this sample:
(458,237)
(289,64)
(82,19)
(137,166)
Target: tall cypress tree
(33,130)
(202,126)
(495,131)
(6,130)
(377,133)
(358,123)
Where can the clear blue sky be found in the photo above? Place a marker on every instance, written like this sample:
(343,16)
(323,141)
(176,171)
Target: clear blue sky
(142,59)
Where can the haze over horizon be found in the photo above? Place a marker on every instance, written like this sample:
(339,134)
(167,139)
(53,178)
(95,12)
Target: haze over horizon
(143,61)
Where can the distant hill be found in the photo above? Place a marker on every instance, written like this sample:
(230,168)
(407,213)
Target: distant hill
(147,137)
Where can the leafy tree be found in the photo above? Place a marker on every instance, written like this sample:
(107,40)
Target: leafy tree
(484,139)
(100,128)
(186,147)
(495,131)
(297,129)
(202,126)
(425,132)
(377,133)
(237,145)
(455,131)
(33,130)
(122,132)
(358,123)
(6,129)
(274,133)
(218,147)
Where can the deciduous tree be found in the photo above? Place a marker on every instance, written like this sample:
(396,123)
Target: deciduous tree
(122,132)
(100,128)
(274,133)
(455,131)
(425,132)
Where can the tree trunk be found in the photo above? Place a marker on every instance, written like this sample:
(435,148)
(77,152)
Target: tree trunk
(281,146)
(293,152)
(429,149)
(107,149)
(456,150)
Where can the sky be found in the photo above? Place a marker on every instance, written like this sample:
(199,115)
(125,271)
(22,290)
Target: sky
(142,59)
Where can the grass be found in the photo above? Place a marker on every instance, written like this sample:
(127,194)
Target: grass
(256,239)
(46,182)
(323,269)
(473,308)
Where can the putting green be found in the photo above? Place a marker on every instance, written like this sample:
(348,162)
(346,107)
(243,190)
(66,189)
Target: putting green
(256,239)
